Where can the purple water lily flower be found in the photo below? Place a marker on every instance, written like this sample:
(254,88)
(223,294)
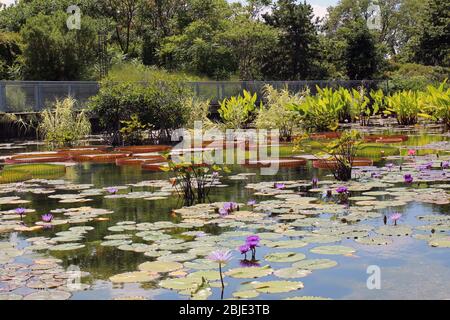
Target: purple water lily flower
(428,165)
(395,217)
(314,182)
(389,166)
(112,190)
(445,165)
(244,249)
(221,257)
(215,174)
(20,211)
(252,241)
(223,212)
(342,189)
(408,178)
(48,217)
(279,186)
(230,206)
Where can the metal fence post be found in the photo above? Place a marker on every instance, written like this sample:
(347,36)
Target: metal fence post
(2,96)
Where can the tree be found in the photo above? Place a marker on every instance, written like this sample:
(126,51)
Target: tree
(294,56)
(250,40)
(9,52)
(53,52)
(433,47)
(361,57)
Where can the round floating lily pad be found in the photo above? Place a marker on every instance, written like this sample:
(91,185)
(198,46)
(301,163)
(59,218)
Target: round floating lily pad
(287,244)
(377,241)
(246,294)
(160,266)
(48,295)
(201,264)
(315,264)
(441,243)
(319,238)
(177,257)
(277,286)
(394,230)
(292,273)
(180,283)
(284,257)
(134,277)
(115,243)
(10,296)
(67,247)
(210,275)
(249,272)
(333,250)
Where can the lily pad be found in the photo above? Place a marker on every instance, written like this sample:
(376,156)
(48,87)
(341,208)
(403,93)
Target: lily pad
(134,277)
(277,286)
(284,257)
(249,272)
(333,250)
(160,266)
(292,273)
(315,264)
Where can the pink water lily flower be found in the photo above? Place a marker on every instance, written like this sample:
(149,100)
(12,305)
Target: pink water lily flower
(411,152)
(395,217)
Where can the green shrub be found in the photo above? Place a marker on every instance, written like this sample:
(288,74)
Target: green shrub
(405,105)
(320,112)
(436,103)
(62,125)
(235,112)
(411,76)
(157,104)
(275,113)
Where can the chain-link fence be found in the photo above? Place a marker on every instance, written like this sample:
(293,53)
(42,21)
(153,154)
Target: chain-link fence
(33,96)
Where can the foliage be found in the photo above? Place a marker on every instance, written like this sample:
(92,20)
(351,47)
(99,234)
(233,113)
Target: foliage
(53,52)
(432,48)
(295,55)
(193,178)
(275,113)
(62,125)
(9,54)
(341,152)
(436,103)
(405,105)
(157,103)
(411,76)
(320,112)
(16,99)
(133,131)
(235,112)
(197,110)
(358,105)
(37,170)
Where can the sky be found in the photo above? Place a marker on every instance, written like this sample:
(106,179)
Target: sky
(319,6)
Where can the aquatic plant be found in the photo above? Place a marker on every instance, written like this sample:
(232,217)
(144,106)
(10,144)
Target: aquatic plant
(341,152)
(235,112)
(436,102)
(405,105)
(279,186)
(243,249)
(276,114)
(251,203)
(342,192)
(112,190)
(408,178)
(41,170)
(252,242)
(20,211)
(411,152)
(320,112)
(314,182)
(395,217)
(62,125)
(193,179)
(445,164)
(10,176)
(48,217)
(222,257)
(132,131)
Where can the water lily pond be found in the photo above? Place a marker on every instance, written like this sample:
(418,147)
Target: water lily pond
(131,237)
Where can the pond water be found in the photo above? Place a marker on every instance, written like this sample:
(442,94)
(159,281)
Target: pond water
(410,268)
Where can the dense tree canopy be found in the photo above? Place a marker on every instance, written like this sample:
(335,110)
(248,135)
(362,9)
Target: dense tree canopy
(218,39)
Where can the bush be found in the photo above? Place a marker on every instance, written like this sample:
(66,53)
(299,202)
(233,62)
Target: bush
(62,125)
(405,105)
(320,112)
(157,104)
(235,112)
(436,103)
(411,76)
(275,113)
